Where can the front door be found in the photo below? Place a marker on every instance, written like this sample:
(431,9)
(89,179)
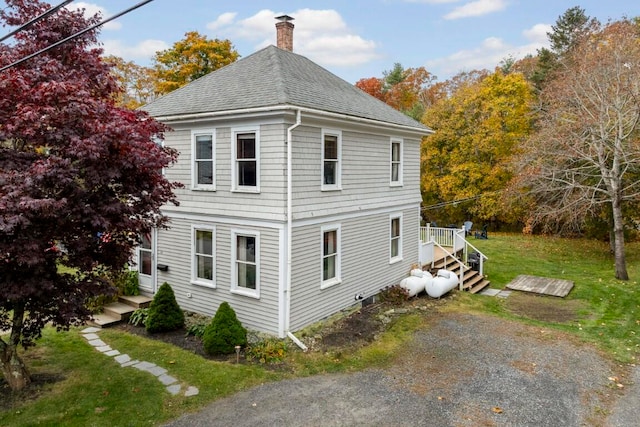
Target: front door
(146,263)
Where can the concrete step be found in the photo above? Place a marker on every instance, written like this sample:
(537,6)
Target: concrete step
(103,320)
(118,310)
(135,301)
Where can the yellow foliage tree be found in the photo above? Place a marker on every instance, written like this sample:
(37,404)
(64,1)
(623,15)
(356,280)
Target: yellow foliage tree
(189,59)
(136,81)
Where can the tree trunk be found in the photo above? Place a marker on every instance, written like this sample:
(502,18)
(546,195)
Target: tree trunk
(13,368)
(618,236)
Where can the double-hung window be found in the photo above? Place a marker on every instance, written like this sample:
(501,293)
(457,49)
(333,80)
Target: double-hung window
(203,168)
(331,159)
(330,256)
(395,238)
(246,160)
(246,263)
(203,256)
(396,162)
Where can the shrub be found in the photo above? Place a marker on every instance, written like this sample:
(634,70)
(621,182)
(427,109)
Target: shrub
(270,350)
(164,312)
(395,295)
(224,332)
(197,330)
(139,317)
(126,281)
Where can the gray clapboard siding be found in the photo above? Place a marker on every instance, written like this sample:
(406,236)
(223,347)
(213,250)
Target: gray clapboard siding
(364,258)
(174,250)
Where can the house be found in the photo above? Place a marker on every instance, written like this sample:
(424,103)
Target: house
(301,192)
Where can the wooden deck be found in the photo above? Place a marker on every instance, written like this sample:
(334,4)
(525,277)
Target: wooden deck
(541,285)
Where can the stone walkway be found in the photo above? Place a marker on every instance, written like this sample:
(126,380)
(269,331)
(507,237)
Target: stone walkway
(171,383)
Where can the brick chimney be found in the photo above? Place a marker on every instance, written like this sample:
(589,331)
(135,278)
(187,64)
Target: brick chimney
(284,30)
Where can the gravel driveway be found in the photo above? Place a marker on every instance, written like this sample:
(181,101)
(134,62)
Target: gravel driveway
(465,370)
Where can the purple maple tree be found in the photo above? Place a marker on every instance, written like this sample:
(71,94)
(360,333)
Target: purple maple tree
(80,178)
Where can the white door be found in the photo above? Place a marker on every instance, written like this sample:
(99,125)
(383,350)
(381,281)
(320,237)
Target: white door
(147,263)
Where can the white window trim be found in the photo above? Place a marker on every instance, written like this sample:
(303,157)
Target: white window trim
(324,284)
(194,170)
(235,289)
(195,280)
(234,170)
(397,183)
(398,258)
(338,184)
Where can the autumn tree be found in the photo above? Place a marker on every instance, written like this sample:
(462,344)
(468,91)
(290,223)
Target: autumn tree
(137,82)
(80,178)
(586,154)
(189,59)
(478,129)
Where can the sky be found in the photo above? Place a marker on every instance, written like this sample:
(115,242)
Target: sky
(353,39)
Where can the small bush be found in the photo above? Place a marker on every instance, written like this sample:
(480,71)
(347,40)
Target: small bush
(270,350)
(224,332)
(196,330)
(164,312)
(395,295)
(126,281)
(139,317)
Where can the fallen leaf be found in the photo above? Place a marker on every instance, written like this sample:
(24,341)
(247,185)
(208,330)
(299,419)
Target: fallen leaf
(440,398)
(613,379)
(496,410)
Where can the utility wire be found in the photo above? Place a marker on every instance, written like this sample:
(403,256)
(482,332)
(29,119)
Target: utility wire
(36,19)
(74,36)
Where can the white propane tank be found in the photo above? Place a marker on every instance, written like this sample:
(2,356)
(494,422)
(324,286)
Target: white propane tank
(444,281)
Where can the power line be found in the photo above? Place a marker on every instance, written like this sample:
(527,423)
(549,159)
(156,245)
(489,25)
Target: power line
(36,19)
(74,36)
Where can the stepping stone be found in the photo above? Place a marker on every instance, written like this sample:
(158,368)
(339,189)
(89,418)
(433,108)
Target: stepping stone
(504,294)
(97,343)
(122,359)
(167,379)
(103,349)
(130,363)
(191,391)
(144,366)
(174,389)
(490,292)
(90,330)
(112,353)
(157,371)
(91,336)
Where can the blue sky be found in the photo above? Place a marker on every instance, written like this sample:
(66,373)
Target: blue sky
(354,38)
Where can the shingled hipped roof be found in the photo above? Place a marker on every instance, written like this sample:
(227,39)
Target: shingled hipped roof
(275,77)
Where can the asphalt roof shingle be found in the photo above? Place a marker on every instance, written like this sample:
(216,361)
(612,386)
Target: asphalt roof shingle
(274,77)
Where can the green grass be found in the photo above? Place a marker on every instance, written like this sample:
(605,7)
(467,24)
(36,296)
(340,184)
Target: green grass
(611,314)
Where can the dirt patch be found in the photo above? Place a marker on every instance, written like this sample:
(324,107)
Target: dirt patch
(39,382)
(544,308)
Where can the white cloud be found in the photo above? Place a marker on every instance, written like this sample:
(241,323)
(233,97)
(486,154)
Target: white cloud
(91,10)
(318,34)
(140,52)
(489,53)
(476,8)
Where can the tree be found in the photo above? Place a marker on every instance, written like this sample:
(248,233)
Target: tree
(478,129)
(80,179)
(137,82)
(189,59)
(586,154)
(164,312)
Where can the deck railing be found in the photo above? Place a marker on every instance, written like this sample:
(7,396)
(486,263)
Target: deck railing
(453,238)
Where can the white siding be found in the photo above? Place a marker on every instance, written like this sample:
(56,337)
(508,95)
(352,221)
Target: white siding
(174,250)
(365,263)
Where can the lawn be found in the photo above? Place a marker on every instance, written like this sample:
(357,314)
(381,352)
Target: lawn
(78,386)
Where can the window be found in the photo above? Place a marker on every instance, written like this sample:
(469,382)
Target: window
(203,174)
(395,246)
(396,162)
(331,154)
(246,271)
(330,256)
(246,164)
(145,255)
(203,272)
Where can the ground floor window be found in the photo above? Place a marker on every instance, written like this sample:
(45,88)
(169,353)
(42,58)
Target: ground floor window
(203,261)
(395,241)
(330,256)
(246,256)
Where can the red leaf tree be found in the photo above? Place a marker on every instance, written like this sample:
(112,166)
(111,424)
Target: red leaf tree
(80,178)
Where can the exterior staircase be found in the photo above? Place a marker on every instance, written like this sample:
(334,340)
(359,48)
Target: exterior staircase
(473,282)
(119,311)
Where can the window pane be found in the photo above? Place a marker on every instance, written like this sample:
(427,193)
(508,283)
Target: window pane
(204,242)
(145,262)
(395,151)
(330,172)
(204,144)
(246,248)
(395,247)
(205,172)
(331,147)
(395,168)
(329,247)
(395,227)
(246,146)
(205,267)
(146,241)
(247,173)
(246,275)
(329,267)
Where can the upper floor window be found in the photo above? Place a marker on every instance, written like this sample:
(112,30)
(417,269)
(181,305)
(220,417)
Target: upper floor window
(246,263)
(330,256)
(203,250)
(396,162)
(246,161)
(331,159)
(203,170)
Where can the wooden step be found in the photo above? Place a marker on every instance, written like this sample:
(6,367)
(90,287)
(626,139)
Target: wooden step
(480,286)
(135,301)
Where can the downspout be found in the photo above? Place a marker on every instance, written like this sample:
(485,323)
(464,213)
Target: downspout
(287,316)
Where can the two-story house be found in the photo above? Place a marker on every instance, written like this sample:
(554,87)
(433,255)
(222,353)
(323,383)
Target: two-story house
(301,197)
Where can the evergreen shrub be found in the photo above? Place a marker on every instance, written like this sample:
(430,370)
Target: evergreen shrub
(224,332)
(164,312)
